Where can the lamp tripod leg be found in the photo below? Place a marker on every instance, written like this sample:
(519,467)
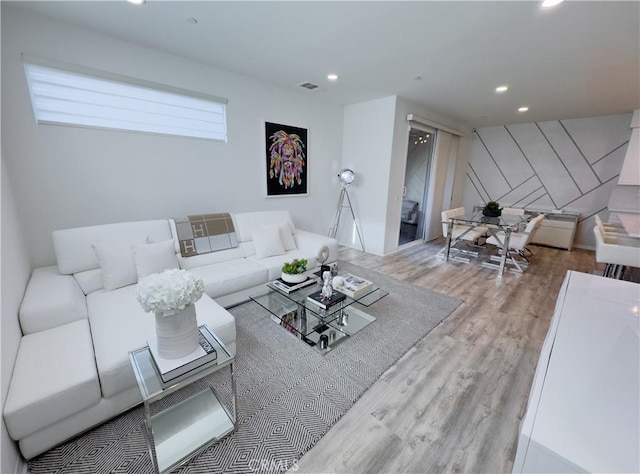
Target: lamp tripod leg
(333,231)
(355,222)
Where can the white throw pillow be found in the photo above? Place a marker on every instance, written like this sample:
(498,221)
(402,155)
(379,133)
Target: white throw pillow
(116,262)
(154,258)
(287,238)
(266,240)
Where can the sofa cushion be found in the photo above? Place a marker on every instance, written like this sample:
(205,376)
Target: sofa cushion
(51,300)
(119,325)
(154,258)
(89,280)
(245,222)
(229,277)
(267,241)
(286,235)
(73,246)
(54,376)
(187,263)
(115,258)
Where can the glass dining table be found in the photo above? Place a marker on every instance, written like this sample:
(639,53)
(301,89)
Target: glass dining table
(500,228)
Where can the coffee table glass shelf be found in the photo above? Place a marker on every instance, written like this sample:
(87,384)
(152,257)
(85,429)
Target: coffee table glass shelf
(179,432)
(309,322)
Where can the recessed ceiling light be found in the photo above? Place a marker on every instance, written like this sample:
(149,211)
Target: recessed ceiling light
(137,2)
(332,77)
(551,3)
(192,20)
(523,109)
(501,89)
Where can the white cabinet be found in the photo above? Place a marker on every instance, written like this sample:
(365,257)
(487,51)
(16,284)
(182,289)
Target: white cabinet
(557,230)
(583,411)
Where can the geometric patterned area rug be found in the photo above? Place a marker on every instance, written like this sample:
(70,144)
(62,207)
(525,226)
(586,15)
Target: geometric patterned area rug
(288,395)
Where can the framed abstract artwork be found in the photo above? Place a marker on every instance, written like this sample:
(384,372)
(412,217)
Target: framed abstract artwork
(287,160)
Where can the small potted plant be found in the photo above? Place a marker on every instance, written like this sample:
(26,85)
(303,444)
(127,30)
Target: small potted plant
(492,209)
(294,272)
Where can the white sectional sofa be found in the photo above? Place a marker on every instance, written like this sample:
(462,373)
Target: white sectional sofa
(72,371)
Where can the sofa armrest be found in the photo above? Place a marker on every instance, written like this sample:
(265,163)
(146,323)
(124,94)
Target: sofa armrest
(311,242)
(51,300)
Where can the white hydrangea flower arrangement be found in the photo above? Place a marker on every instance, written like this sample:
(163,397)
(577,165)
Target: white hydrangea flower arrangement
(169,292)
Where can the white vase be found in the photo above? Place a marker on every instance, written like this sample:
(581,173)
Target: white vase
(177,334)
(297,278)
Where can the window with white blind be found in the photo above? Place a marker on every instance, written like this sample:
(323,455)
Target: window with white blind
(101,100)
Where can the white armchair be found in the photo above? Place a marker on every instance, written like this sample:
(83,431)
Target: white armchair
(461,231)
(518,242)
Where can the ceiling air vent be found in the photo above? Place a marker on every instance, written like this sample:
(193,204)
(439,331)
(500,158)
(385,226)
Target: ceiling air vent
(308,85)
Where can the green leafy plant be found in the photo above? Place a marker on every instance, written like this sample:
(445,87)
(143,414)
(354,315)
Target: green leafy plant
(295,267)
(492,206)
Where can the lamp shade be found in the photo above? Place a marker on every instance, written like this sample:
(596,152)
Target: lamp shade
(346,176)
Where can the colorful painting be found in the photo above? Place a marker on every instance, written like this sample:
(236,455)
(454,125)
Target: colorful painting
(287,159)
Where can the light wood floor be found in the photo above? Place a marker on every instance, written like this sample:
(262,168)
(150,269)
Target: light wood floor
(453,403)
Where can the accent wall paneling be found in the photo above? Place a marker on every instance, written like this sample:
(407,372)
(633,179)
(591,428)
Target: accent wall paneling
(571,165)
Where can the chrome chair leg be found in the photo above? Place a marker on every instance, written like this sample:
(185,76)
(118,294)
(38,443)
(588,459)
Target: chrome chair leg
(515,262)
(522,254)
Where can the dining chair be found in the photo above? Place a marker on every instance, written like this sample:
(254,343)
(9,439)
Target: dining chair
(461,231)
(518,242)
(616,253)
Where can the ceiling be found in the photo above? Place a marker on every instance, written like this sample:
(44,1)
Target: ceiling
(579,59)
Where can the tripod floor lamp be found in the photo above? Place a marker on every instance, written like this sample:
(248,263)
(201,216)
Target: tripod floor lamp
(346,177)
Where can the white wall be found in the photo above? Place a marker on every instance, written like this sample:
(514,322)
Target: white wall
(367,148)
(566,164)
(13,277)
(66,177)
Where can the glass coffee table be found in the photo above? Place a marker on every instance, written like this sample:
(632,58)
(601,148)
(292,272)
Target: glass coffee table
(322,328)
(178,432)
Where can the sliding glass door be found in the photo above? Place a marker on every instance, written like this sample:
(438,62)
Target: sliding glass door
(416,184)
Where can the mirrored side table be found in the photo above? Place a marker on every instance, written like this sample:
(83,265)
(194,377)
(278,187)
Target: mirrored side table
(177,433)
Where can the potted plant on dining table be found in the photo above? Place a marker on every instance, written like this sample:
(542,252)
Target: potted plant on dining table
(492,209)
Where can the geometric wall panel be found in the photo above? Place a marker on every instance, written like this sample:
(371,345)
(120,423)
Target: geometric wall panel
(506,155)
(610,165)
(597,136)
(561,164)
(559,184)
(570,155)
(483,169)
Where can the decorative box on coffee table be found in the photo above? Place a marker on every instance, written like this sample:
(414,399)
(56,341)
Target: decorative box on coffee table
(179,432)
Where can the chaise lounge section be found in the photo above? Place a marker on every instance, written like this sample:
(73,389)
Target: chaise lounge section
(81,317)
